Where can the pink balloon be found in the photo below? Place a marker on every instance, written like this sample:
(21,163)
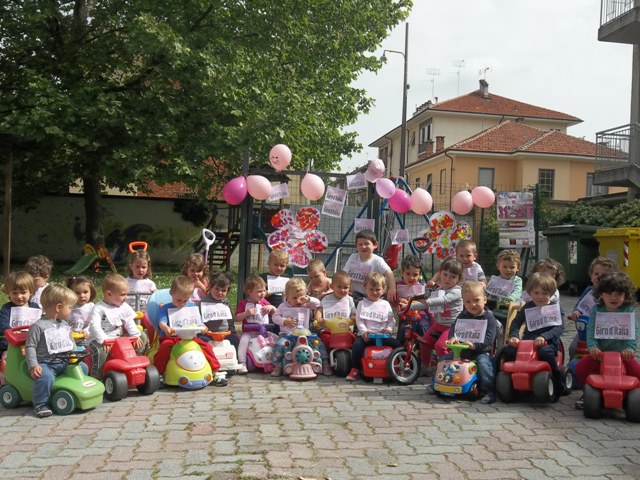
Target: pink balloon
(258,187)
(462,203)
(483,197)
(421,201)
(375,170)
(400,202)
(280,157)
(312,186)
(235,190)
(385,187)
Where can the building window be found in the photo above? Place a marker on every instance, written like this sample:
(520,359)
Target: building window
(593,190)
(412,139)
(417,183)
(425,135)
(545,182)
(428,185)
(443,181)
(486,177)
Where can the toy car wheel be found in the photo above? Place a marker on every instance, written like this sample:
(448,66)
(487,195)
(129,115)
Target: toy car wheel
(151,381)
(343,362)
(473,392)
(63,402)
(402,368)
(115,386)
(543,387)
(504,388)
(632,405)
(567,379)
(592,402)
(9,396)
(251,366)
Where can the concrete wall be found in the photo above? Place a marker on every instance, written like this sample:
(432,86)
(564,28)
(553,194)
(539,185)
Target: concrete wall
(55,228)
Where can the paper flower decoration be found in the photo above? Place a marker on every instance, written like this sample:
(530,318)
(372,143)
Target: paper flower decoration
(297,235)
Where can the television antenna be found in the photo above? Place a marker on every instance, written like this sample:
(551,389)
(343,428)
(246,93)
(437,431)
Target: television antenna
(459,64)
(483,71)
(433,72)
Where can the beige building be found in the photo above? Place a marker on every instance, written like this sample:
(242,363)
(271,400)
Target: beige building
(485,139)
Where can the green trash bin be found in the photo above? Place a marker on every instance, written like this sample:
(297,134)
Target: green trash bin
(574,246)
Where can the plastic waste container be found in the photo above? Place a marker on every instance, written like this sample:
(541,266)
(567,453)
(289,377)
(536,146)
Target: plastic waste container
(622,245)
(574,246)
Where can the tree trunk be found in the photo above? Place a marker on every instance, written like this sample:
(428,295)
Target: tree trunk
(92,208)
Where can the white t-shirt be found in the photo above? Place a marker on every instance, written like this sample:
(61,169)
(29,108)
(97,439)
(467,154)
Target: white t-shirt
(358,270)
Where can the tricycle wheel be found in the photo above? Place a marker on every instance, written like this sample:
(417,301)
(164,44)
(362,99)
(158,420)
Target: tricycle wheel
(504,388)
(343,362)
(151,381)
(251,366)
(592,402)
(63,402)
(632,405)
(115,386)
(567,379)
(543,387)
(403,368)
(9,396)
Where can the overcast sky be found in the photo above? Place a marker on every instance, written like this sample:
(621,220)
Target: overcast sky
(543,52)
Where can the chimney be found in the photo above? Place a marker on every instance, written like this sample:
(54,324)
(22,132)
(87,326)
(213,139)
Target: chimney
(439,144)
(484,88)
(429,150)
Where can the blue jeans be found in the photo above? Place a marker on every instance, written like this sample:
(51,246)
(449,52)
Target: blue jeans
(486,373)
(42,386)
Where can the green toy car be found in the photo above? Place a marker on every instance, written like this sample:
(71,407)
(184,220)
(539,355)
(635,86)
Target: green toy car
(73,389)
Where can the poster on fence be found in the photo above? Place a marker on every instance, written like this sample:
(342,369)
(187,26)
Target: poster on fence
(515,220)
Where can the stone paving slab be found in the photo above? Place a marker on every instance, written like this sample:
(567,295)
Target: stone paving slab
(264,428)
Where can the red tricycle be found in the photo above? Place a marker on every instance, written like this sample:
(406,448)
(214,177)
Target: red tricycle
(527,373)
(374,360)
(125,369)
(338,338)
(612,388)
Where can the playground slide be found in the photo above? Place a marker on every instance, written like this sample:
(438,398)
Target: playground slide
(82,264)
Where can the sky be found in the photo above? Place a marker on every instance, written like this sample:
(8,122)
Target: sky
(543,52)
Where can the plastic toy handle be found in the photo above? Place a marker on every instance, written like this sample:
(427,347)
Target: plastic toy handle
(133,246)
(209,237)
(219,336)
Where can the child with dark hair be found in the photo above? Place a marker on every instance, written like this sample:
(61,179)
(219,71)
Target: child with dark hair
(19,287)
(39,267)
(550,267)
(615,294)
(84,288)
(197,270)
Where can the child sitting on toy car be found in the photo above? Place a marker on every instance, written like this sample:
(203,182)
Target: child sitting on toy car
(110,318)
(615,294)
(49,335)
(288,315)
(181,291)
(543,327)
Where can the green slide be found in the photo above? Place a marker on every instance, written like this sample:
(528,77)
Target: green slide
(82,264)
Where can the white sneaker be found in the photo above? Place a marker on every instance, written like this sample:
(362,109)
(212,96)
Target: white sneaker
(242,369)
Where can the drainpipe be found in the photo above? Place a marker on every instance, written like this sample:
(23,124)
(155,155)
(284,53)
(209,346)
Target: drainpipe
(450,179)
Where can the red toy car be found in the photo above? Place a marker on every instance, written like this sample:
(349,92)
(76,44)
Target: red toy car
(374,360)
(338,339)
(612,388)
(126,369)
(527,373)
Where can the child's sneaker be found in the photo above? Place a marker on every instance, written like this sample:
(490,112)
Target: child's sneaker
(42,410)
(488,399)
(220,380)
(242,369)
(431,390)
(354,374)
(277,371)
(326,370)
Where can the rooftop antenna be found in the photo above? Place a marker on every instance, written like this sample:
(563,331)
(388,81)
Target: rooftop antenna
(483,71)
(459,64)
(433,72)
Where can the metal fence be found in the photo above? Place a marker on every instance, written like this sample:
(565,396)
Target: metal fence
(612,9)
(618,147)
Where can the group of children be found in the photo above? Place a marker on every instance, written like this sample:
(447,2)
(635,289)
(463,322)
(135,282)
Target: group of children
(365,292)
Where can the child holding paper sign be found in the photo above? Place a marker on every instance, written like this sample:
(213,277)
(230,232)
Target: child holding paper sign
(476,326)
(507,287)
(181,312)
(615,294)
(19,287)
(253,312)
(543,324)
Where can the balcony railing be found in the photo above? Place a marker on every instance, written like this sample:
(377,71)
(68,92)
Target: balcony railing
(612,9)
(618,147)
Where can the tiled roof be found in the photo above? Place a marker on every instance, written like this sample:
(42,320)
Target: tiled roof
(512,137)
(474,102)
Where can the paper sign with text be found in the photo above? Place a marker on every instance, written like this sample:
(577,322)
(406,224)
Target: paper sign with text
(59,340)
(615,326)
(543,317)
(399,237)
(332,209)
(24,316)
(408,291)
(586,304)
(470,330)
(276,284)
(363,224)
(300,315)
(259,318)
(184,317)
(357,181)
(499,287)
(215,311)
(278,191)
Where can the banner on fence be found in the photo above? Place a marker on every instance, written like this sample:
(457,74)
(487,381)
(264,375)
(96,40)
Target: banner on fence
(515,220)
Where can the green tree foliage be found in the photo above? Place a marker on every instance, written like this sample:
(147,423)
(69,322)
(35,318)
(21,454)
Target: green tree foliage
(624,215)
(117,93)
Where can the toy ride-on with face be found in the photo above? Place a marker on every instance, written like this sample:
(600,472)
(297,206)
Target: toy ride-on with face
(457,376)
(71,390)
(612,388)
(187,366)
(527,373)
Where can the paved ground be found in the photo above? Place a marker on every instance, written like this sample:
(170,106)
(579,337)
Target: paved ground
(261,428)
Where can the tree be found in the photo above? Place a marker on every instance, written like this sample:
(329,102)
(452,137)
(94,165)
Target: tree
(120,92)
